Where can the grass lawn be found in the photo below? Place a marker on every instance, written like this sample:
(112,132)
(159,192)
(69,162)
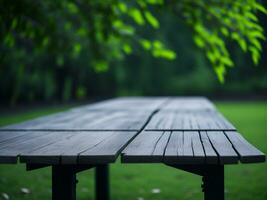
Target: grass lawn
(244,181)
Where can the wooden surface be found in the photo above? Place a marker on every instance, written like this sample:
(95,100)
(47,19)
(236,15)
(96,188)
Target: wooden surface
(190,147)
(78,120)
(188,120)
(178,130)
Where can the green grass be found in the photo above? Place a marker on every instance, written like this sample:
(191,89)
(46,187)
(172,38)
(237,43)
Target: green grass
(130,181)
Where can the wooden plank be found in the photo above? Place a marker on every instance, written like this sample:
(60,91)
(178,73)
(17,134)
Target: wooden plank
(223,147)
(83,148)
(21,138)
(68,148)
(9,135)
(146,147)
(188,121)
(197,146)
(87,121)
(225,122)
(210,155)
(10,152)
(184,148)
(106,151)
(247,152)
(161,145)
(174,147)
(188,103)
(126,103)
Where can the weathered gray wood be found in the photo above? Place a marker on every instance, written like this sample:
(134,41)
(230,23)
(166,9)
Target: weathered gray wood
(223,147)
(21,138)
(210,154)
(247,152)
(146,147)
(106,151)
(173,130)
(126,103)
(184,148)
(10,152)
(188,121)
(188,103)
(7,135)
(83,147)
(68,147)
(90,120)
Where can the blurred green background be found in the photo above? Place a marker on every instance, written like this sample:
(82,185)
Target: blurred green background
(38,77)
(32,69)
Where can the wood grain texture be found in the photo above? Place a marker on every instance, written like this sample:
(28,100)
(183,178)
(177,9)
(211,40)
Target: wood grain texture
(175,147)
(211,155)
(191,147)
(146,130)
(184,148)
(188,121)
(106,151)
(83,147)
(148,146)
(126,103)
(30,141)
(86,121)
(246,151)
(223,147)
(188,104)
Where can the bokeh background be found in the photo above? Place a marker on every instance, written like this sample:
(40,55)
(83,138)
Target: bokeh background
(33,84)
(34,70)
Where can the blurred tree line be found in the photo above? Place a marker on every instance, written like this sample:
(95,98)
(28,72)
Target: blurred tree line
(61,51)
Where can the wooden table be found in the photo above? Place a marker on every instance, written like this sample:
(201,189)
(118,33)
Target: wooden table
(186,133)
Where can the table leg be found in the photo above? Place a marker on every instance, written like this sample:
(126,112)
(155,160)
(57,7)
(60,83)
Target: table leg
(102,182)
(213,179)
(63,182)
(213,183)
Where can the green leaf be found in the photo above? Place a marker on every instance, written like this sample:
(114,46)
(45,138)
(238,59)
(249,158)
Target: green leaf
(225,31)
(146,44)
(199,41)
(151,20)
(211,57)
(261,8)
(243,44)
(137,16)
(127,49)
(168,54)
(122,28)
(101,65)
(122,7)
(256,43)
(255,55)
(220,71)
(72,8)
(157,44)
(155,2)
(227,61)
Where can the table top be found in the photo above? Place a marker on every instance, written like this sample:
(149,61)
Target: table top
(172,130)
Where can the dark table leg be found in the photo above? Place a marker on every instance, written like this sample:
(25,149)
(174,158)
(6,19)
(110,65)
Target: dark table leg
(213,183)
(63,182)
(212,177)
(102,182)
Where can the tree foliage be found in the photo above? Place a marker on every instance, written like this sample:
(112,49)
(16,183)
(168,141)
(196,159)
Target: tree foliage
(55,37)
